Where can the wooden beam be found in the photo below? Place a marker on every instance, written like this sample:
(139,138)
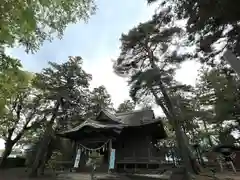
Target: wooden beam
(95,140)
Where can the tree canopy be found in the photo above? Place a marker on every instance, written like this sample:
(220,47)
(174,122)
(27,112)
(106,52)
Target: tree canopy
(212,26)
(30,23)
(126,106)
(34,107)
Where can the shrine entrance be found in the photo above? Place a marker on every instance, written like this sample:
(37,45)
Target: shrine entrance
(97,153)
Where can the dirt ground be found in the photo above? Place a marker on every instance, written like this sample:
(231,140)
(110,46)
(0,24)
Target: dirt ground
(220,176)
(21,174)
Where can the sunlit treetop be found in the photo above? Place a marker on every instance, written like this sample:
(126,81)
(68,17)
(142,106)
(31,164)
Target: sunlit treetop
(30,22)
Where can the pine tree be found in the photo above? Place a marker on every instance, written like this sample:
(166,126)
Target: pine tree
(64,87)
(150,64)
(209,23)
(126,106)
(99,99)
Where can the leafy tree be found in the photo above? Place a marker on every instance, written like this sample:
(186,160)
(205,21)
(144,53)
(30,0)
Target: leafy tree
(126,106)
(30,23)
(12,79)
(20,113)
(147,59)
(64,88)
(218,92)
(99,99)
(188,114)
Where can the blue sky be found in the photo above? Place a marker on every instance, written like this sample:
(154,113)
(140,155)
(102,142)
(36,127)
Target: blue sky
(99,38)
(98,43)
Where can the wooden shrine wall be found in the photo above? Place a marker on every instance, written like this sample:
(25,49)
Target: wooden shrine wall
(134,146)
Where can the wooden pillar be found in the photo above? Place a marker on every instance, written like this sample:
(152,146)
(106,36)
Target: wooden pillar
(109,152)
(109,149)
(149,148)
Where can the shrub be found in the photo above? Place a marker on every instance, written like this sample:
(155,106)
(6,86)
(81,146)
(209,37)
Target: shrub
(15,162)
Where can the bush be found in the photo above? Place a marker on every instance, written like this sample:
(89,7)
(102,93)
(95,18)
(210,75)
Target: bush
(15,162)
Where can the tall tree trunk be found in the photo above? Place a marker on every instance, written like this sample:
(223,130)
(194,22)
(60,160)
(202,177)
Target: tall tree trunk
(41,151)
(45,160)
(206,130)
(173,156)
(7,151)
(181,143)
(184,128)
(45,143)
(170,111)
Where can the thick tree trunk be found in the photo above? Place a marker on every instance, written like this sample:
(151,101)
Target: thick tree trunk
(7,151)
(169,110)
(173,157)
(45,143)
(208,136)
(40,154)
(190,163)
(193,159)
(47,157)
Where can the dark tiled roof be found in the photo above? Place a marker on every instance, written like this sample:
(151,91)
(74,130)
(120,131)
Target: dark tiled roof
(94,124)
(136,118)
(121,120)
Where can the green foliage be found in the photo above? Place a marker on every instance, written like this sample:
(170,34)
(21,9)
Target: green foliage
(147,42)
(29,23)
(221,91)
(18,102)
(126,106)
(217,94)
(67,101)
(20,106)
(12,79)
(148,59)
(208,24)
(99,99)
(66,84)
(145,55)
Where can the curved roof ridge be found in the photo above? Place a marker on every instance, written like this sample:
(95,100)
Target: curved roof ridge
(134,111)
(108,114)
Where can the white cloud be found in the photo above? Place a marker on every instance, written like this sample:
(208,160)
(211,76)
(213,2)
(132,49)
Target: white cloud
(103,74)
(188,72)
(117,87)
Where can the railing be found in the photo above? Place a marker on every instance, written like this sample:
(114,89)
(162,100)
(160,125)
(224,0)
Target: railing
(148,160)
